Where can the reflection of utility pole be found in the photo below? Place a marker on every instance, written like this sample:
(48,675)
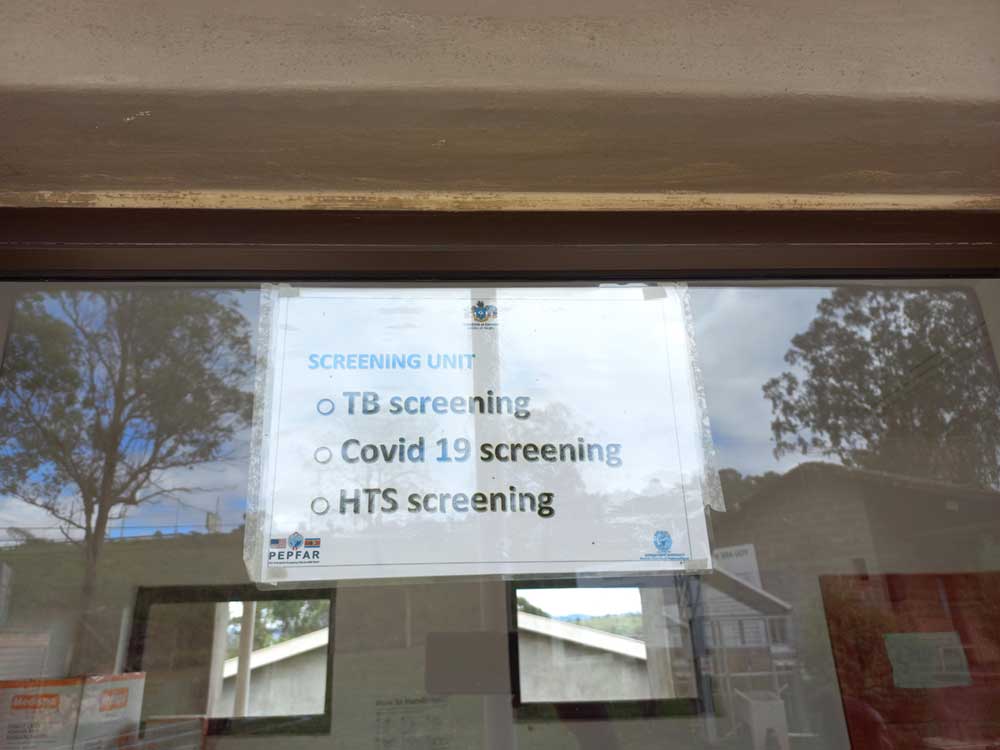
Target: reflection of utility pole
(241,701)
(656,634)
(217,666)
(213,521)
(690,597)
(498,717)
(8,301)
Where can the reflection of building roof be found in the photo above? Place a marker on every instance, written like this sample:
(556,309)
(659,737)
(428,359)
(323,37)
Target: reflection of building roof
(581,635)
(746,593)
(281,651)
(884,478)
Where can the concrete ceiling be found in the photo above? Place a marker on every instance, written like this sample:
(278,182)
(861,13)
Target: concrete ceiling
(507,103)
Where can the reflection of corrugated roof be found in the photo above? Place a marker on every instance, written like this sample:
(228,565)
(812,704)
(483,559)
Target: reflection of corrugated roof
(757,599)
(919,484)
(281,651)
(582,635)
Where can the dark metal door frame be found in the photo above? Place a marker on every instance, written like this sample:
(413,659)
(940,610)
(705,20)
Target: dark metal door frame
(82,243)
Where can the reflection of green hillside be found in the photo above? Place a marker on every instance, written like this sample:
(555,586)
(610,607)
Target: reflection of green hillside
(279,621)
(628,624)
(523,605)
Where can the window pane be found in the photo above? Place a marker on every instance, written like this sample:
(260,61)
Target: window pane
(851,600)
(601,644)
(191,658)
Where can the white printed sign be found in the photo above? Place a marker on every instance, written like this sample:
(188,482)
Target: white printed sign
(739,561)
(429,432)
(109,711)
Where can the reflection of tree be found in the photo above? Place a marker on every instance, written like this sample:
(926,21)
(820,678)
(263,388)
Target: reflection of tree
(280,621)
(896,380)
(523,605)
(738,487)
(106,395)
(857,627)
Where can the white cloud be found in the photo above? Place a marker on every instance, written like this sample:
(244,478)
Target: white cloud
(742,334)
(33,521)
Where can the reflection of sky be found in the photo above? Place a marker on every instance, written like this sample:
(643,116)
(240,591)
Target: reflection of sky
(584,601)
(742,334)
(183,513)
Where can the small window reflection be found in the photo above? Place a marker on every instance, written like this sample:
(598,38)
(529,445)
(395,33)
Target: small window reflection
(193,664)
(236,663)
(590,644)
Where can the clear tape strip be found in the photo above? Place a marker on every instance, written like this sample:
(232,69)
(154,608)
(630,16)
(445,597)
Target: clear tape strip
(711,485)
(256,513)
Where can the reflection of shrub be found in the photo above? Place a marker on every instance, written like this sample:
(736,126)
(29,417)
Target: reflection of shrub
(987,619)
(523,605)
(893,379)
(280,621)
(857,629)
(629,624)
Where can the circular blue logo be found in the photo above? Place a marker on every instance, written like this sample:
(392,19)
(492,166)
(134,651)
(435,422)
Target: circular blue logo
(663,542)
(295,540)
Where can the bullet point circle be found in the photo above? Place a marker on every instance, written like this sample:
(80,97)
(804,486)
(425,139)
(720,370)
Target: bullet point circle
(320,506)
(323,455)
(325,406)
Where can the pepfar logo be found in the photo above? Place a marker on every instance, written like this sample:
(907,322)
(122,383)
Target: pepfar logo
(295,549)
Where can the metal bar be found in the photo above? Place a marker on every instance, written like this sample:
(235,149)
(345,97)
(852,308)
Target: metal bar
(218,661)
(241,701)
(220,244)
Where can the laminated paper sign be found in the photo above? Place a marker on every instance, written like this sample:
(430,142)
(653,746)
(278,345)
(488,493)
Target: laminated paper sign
(39,714)
(450,431)
(109,711)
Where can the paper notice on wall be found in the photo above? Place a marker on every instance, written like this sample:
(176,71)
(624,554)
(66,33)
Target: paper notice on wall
(173,733)
(927,660)
(407,723)
(109,711)
(39,714)
(452,431)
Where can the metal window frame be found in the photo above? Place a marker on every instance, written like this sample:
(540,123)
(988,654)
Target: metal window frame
(600,709)
(305,724)
(251,245)
(86,244)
